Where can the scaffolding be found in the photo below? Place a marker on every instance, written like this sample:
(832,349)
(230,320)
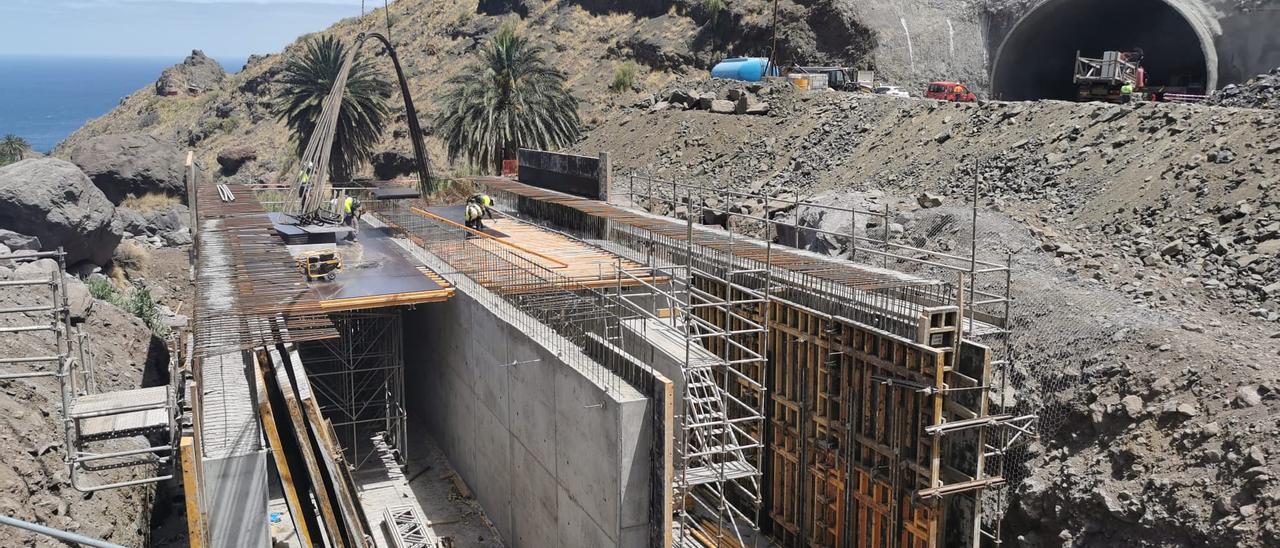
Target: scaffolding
(880,369)
(92,420)
(358,379)
(981,293)
(720,447)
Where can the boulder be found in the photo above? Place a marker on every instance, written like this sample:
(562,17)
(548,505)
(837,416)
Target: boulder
(54,201)
(169,219)
(232,158)
(929,200)
(131,164)
(16,242)
(196,74)
(723,107)
(132,222)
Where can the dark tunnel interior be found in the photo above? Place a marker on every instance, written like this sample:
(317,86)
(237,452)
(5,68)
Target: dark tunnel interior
(1037,59)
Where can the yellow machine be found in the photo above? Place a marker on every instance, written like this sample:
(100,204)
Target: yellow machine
(320,264)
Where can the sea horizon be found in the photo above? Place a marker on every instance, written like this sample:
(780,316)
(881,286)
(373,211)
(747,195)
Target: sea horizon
(45,98)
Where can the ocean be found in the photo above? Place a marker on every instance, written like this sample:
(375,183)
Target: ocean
(45,99)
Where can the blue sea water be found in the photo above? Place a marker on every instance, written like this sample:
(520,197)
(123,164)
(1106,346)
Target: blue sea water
(45,99)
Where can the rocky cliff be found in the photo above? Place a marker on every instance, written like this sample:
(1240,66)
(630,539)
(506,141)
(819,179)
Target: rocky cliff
(194,105)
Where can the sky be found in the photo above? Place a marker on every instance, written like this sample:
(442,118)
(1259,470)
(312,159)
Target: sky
(163,28)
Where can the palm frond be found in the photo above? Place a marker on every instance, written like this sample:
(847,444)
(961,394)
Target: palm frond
(362,117)
(508,97)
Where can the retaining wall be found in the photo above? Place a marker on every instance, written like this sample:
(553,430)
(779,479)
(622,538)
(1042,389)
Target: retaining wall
(553,458)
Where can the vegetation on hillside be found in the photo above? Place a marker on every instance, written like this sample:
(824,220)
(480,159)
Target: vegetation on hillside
(12,148)
(509,97)
(306,81)
(624,76)
(137,301)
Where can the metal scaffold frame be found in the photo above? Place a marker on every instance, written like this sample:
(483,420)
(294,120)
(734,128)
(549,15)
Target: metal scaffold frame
(89,416)
(881,368)
(981,292)
(359,380)
(720,445)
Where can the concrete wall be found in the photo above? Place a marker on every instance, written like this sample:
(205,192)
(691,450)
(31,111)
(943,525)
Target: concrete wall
(578,175)
(553,458)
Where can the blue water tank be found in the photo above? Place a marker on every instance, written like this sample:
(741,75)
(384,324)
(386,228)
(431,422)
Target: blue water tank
(748,69)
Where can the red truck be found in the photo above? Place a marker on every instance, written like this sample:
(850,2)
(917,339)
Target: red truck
(949,91)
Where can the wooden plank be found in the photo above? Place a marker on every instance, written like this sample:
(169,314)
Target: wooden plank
(303,518)
(191,492)
(383,301)
(328,516)
(331,461)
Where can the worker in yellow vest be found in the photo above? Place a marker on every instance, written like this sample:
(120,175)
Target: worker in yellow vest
(483,207)
(473,213)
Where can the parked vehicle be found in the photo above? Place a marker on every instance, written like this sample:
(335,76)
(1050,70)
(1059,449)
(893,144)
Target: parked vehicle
(747,69)
(949,91)
(892,91)
(837,78)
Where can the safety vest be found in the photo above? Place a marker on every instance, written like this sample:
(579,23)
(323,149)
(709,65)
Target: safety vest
(1127,88)
(485,200)
(346,205)
(473,212)
(306,177)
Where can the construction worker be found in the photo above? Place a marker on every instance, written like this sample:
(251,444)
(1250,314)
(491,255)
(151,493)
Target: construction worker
(484,201)
(958,91)
(1126,93)
(350,211)
(473,213)
(305,187)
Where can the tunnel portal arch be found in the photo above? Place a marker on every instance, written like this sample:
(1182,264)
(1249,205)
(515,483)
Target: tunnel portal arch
(1036,58)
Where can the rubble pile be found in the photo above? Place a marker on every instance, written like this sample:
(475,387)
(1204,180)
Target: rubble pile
(1263,91)
(717,96)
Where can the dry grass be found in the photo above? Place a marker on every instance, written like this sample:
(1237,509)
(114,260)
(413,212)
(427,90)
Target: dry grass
(130,255)
(150,202)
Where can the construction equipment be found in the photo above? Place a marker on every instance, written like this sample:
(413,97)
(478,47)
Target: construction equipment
(317,265)
(1115,78)
(310,192)
(837,77)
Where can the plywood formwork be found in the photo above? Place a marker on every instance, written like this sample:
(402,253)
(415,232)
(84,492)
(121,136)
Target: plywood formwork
(877,413)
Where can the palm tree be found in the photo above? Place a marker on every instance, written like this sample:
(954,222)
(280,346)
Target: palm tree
(307,79)
(508,98)
(12,148)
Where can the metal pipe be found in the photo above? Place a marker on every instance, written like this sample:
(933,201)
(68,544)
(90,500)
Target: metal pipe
(57,533)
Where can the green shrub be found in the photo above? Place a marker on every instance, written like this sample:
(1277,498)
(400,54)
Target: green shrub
(624,77)
(272,200)
(102,289)
(137,301)
(713,7)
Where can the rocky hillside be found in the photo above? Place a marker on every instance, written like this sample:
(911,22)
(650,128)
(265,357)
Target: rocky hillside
(34,484)
(1145,242)
(228,119)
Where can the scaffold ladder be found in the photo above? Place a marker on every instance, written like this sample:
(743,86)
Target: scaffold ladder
(724,396)
(89,416)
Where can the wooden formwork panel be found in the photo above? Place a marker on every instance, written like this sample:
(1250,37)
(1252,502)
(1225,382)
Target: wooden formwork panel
(846,450)
(849,446)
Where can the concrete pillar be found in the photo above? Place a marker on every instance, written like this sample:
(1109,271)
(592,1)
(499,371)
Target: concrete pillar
(604,175)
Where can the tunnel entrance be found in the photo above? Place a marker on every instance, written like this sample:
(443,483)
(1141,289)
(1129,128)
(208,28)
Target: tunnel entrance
(1037,58)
